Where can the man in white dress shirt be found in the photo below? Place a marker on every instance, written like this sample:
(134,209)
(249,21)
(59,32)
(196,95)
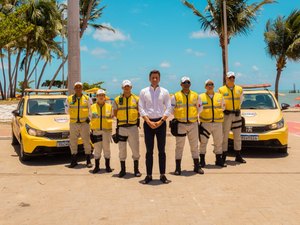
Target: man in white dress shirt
(155,108)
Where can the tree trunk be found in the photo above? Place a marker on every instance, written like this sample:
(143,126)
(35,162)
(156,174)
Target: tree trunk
(223,59)
(42,73)
(86,19)
(280,65)
(57,71)
(4,78)
(73,44)
(15,74)
(32,71)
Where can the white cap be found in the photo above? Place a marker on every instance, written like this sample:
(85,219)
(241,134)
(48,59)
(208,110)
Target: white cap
(100,91)
(208,81)
(185,79)
(78,83)
(230,74)
(126,82)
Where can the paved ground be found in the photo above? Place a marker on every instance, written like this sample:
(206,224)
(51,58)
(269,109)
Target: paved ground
(44,191)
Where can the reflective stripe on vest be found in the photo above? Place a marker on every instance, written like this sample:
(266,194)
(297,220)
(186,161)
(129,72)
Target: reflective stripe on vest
(101,117)
(185,109)
(212,108)
(78,110)
(128,110)
(232,97)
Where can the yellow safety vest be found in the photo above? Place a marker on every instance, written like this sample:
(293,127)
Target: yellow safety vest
(78,110)
(185,109)
(101,117)
(127,109)
(232,97)
(212,108)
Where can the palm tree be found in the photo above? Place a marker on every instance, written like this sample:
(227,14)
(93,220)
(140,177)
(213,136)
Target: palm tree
(90,12)
(282,37)
(240,16)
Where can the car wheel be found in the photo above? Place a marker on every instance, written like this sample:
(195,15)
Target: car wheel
(22,155)
(14,140)
(283,150)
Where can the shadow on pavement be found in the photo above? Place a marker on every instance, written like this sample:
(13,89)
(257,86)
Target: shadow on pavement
(48,160)
(259,153)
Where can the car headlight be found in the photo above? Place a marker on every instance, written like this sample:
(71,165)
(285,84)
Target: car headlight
(35,132)
(278,125)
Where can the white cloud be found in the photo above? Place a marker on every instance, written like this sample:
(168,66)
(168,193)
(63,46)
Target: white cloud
(165,64)
(115,80)
(99,52)
(83,48)
(193,52)
(110,36)
(237,64)
(202,34)
(88,31)
(103,67)
(238,75)
(255,68)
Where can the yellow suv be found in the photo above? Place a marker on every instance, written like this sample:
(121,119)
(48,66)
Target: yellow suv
(40,124)
(265,126)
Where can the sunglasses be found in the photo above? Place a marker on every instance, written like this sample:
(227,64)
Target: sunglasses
(210,84)
(232,77)
(186,82)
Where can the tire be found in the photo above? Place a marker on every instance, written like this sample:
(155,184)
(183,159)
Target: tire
(14,140)
(22,155)
(283,150)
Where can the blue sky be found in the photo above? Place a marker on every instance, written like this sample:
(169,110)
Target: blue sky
(165,35)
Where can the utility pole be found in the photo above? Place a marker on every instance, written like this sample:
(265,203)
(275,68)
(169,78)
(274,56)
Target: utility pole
(225,37)
(73,27)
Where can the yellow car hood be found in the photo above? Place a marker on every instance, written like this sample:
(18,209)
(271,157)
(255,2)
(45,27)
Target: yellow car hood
(49,122)
(261,117)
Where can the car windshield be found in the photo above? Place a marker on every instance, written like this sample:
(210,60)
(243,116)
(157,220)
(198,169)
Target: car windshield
(258,101)
(51,106)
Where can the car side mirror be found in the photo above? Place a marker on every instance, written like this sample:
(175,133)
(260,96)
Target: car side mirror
(284,106)
(16,112)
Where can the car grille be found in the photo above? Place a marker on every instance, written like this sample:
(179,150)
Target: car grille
(250,129)
(57,135)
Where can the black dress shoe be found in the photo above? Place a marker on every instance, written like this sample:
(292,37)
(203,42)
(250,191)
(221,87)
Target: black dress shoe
(164,179)
(147,179)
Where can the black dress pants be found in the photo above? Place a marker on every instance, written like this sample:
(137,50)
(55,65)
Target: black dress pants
(160,134)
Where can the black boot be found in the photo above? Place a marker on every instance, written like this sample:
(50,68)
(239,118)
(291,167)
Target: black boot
(123,169)
(224,155)
(73,161)
(97,166)
(88,161)
(238,157)
(202,160)
(136,168)
(178,167)
(219,161)
(107,165)
(197,167)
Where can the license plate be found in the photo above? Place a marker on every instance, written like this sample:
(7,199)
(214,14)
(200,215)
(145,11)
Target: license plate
(247,137)
(63,143)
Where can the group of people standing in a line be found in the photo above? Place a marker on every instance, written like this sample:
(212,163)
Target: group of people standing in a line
(218,112)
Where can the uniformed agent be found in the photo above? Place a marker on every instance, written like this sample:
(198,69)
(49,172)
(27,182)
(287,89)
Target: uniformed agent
(186,106)
(126,111)
(233,96)
(78,106)
(101,128)
(211,121)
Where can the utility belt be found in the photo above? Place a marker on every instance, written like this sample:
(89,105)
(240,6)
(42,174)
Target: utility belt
(86,121)
(174,128)
(236,112)
(95,138)
(186,122)
(202,131)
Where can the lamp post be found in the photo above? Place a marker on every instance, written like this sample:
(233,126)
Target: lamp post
(73,26)
(225,37)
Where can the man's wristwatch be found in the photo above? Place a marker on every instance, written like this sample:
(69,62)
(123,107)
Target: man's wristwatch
(162,119)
